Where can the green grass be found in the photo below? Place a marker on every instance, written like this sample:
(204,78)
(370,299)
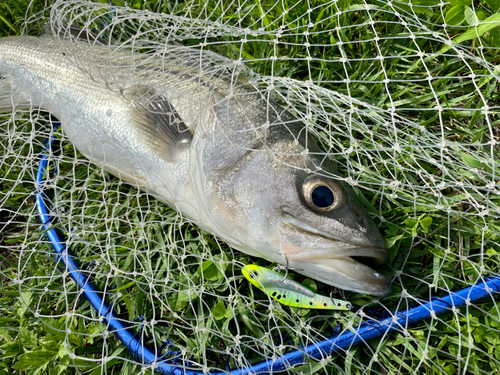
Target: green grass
(135,233)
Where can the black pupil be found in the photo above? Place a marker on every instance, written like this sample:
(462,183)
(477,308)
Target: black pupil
(322,196)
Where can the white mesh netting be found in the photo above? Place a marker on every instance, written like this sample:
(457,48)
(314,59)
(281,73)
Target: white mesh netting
(402,95)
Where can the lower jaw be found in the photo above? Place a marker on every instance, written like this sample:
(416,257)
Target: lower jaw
(346,273)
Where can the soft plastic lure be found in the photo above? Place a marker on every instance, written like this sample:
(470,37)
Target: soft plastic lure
(289,292)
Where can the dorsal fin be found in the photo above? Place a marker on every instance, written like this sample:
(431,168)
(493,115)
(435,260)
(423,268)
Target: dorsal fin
(75,31)
(159,121)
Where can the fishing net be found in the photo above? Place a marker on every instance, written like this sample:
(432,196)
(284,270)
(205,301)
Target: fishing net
(402,95)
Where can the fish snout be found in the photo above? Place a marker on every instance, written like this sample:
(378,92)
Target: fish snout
(334,260)
(355,270)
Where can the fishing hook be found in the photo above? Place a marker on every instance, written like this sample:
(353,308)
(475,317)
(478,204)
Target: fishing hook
(279,267)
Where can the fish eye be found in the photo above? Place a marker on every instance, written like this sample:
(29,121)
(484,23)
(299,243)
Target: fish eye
(321,194)
(254,274)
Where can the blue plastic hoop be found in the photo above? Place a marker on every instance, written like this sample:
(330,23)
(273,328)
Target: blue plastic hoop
(145,356)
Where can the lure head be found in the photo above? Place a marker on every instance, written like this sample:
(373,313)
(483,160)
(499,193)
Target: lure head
(252,274)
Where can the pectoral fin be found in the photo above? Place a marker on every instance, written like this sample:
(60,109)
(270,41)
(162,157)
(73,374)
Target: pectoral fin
(159,122)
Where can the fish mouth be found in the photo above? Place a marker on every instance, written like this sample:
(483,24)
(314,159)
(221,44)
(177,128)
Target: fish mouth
(333,260)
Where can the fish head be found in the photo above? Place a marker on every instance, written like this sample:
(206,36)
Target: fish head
(325,233)
(311,223)
(265,200)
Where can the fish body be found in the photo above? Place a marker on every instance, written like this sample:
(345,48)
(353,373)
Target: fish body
(289,292)
(184,127)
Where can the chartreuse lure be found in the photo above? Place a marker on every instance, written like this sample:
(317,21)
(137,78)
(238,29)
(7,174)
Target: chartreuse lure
(289,292)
